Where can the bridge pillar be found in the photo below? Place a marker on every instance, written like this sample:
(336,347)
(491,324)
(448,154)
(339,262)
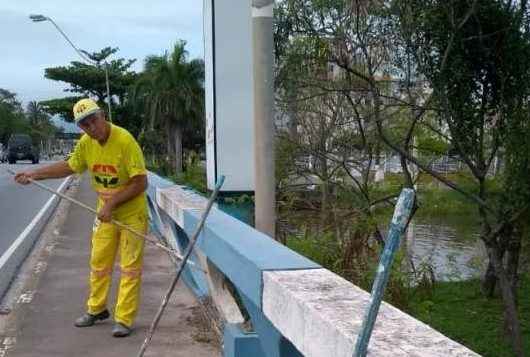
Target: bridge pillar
(273,343)
(238,343)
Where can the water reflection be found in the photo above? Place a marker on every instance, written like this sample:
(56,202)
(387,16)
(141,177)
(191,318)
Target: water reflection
(452,252)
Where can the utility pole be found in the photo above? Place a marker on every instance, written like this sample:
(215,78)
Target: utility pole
(263,58)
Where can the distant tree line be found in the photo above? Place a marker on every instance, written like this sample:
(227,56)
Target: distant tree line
(32,120)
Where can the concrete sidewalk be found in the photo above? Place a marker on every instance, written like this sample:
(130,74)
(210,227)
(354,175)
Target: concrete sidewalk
(53,295)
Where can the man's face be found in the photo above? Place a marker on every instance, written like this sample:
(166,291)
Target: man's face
(94,126)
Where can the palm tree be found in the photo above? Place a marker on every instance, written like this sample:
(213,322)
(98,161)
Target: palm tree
(41,129)
(170,95)
(35,114)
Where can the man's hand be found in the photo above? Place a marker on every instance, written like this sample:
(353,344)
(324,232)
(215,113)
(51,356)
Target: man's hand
(105,212)
(56,170)
(135,186)
(24,178)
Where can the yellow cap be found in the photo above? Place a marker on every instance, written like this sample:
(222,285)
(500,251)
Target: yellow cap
(84,108)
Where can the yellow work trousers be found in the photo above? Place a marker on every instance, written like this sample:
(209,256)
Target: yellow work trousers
(107,238)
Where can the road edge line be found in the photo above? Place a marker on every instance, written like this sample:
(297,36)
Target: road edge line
(14,256)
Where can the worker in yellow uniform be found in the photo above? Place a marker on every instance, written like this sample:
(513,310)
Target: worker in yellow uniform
(118,175)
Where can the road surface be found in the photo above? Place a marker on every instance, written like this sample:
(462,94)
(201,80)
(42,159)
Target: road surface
(19,204)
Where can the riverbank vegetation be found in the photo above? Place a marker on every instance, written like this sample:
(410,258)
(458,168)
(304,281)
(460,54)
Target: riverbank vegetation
(431,95)
(460,311)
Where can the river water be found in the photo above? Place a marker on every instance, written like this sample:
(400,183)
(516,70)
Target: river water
(452,249)
(449,246)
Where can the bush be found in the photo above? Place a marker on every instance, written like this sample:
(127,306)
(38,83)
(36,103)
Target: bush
(355,257)
(193,176)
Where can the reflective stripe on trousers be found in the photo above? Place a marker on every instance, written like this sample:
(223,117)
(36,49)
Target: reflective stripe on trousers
(107,239)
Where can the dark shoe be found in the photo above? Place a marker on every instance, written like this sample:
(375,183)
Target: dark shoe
(120,330)
(89,319)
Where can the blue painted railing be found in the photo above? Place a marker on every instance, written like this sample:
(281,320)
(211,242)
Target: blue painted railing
(296,308)
(241,258)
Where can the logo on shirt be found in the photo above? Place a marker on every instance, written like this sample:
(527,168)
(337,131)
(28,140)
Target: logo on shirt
(105,175)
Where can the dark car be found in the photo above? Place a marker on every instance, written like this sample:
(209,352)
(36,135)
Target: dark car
(20,147)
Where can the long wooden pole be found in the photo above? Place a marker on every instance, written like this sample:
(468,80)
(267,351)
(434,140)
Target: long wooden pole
(170,251)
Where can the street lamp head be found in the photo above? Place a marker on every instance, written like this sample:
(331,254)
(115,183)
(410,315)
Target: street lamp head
(38,18)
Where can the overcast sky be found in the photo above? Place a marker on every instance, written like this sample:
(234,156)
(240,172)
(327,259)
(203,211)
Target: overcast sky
(138,28)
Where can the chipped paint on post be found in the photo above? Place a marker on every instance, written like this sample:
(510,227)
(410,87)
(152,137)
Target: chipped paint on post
(399,221)
(403,207)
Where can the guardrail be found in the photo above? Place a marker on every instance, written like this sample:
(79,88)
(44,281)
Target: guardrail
(295,307)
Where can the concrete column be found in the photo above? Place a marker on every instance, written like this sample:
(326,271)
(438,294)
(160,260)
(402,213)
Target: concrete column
(263,45)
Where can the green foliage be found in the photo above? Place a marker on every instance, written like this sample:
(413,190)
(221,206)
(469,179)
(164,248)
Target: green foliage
(238,200)
(160,167)
(169,96)
(331,252)
(461,312)
(476,60)
(89,80)
(61,106)
(12,119)
(285,150)
(430,145)
(39,122)
(194,175)
(323,249)
(437,202)
(153,146)
(474,56)
(515,180)
(471,55)
(170,89)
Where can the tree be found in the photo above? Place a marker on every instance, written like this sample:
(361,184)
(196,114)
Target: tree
(332,75)
(11,116)
(89,80)
(60,106)
(333,60)
(169,95)
(452,72)
(41,128)
(475,58)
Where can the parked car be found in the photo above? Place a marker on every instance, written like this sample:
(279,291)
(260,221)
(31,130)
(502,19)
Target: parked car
(20,147)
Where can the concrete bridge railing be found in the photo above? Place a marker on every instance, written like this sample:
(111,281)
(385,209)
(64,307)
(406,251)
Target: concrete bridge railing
(295,307)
